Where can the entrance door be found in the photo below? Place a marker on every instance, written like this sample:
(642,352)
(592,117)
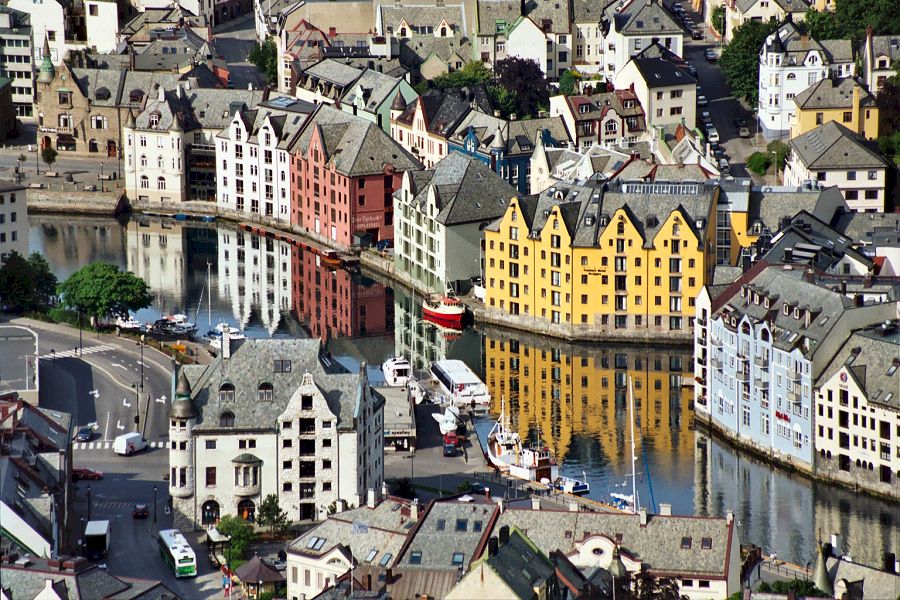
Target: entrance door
(112,150)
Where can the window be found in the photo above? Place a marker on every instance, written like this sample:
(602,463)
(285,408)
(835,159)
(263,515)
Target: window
(415,558)
(685,543)
(210,476)
(457,559)
(145,182)
(462,525)
(265,392)
(282,366)
(226,392)
(706,543)
(160,183)
(210,444)
(226,419)
(441,524)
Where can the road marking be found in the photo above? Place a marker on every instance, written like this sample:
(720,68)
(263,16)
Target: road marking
(119,425)
(94,393)
(161,399)
(105,445)
(125,403)
(123,367)
(74,353)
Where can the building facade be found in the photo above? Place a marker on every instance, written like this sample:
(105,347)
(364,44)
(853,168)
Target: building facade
(879,54)
(790,62)
(17,62)
(607,118)
(858,412)
(271,417)
(844,101)
(833,155)
(13,220)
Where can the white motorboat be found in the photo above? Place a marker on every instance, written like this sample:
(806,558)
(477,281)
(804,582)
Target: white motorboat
(129,323)
(503,444)
(459,384)
(449,421)
(570,485)
(397,371)
(216,334)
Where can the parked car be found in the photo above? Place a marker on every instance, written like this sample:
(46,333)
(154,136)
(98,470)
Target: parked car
(697,34)
(89,474)
(476,488)
(140,511)
(691,69)
(701,100)
(743,132)
(677,6)
(705,117)
(717,151)
(710,55)
(712,134)
(85,434)
(278,565)
(724,167)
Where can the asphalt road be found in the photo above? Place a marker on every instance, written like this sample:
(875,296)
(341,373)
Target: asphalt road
(234,41)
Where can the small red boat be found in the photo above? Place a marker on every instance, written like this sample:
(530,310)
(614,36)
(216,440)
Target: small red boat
(444,311)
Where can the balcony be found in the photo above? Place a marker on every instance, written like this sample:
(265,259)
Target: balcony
(716,362)
(761,383)
(64,129)
(700,321)
(742,376)
(307,427)
(246,474)
(307,469)
(306,448)
(701,360)
(794,396)
(794,376)
(761,361)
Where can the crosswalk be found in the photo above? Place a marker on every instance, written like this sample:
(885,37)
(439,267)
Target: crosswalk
(75,353)
(112,505)
(108,445)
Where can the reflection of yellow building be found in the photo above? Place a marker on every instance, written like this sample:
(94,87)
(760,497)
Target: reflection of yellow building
(843,101)
(568,390)
(625,256)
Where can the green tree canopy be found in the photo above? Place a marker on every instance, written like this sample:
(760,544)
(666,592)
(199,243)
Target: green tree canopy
(48,155)
(718,19)
(26,284)
(822,25)
(524,78)
(781,152)
(758,162)
(265,57)
(241,533)
(740,58)
(854,16)
(271,516)
(472,73)
(568,82)
(888,101)
(101,290)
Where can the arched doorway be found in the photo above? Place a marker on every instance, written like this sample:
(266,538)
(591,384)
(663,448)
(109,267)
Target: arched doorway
(112,150)
(46,142)
(92,145)
(247,510)
(210,514)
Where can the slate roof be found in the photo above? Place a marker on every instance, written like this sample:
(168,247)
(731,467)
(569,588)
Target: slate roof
(466,191)
(788,6)
(658,544)
(885,45)
(648,171)
(449,527)
(874,360)
(416,50)
(833,146)
(138,29)
(354,145)
(813,243)
(420,15)
(442,110)
(251,363)
(492,12)
(588,11)
(773,207)
(548,15)
(833,93)
(642,17)
(659,72)
(384,528)
(517,137)
(873,583)
(196,108)
(789,40)
(877,229)
(376,89)
(600,104)
(520,564)
(838,51)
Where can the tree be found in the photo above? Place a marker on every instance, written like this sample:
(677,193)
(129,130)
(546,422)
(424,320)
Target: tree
(740,58)
(822,25)
(403,488)
(241,533)
(48,155)
(271,516)
(718,19)
(265,57)
(853,16)
(758,162)
(524,78)
(45,281)
(472,73)
(781,152)
(568,82)
(101,290)
(888,101)
(647,587)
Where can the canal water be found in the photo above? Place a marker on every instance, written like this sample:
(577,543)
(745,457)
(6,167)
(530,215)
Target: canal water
(573,397)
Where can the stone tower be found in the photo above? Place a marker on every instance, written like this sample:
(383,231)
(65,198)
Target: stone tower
(47,71)
(182,419)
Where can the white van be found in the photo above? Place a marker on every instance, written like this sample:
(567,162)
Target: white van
(129,443)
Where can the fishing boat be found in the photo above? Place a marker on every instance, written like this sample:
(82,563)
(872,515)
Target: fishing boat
(445,311)
(130,323)
(174,325)
(535,463)
(449,421)
(503,444)
(570,485)
(459,384)
(216,334)
(396,371)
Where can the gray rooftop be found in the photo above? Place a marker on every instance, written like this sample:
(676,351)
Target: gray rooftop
(796,45)
(252,363)
(516,137)
(494,15)
(520,564)
(451,526)
(373,89)
(876,229)
(873,357)
(443,110)
(833,146)
(79,581)
(420,16)
(642,17)
(833,93)
(548,15)
(811,242)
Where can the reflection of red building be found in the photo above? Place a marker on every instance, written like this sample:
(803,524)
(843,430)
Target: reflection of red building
(335,302)
(344,171)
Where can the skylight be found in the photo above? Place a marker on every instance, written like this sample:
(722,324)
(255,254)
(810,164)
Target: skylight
(457,559)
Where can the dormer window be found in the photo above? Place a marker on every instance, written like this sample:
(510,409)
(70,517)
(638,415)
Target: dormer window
(265,392)
(796,312)
(786,310)
(226,419)
(226,392)
(154,120)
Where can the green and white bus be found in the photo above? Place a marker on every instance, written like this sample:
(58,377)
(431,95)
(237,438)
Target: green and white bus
(177,553)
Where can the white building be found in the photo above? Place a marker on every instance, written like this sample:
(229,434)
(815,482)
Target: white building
(13,220)
(665,89)
(48,21)
(634,25)
(254,277)
(831,155)
(55,20)
(17,60)
(254,165)
(170,146)
(879,54)
(101,19)
(790,62)
(857,412)
(272,417)
(438,218)
(738,12)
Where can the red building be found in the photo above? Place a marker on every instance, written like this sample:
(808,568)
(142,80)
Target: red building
(344,171)
(338,303)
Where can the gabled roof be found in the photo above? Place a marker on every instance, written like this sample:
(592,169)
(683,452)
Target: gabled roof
(549,15)
(833,93)
(642,17)
(662,68)
(373,87)
(833,146)
(813,243)
(442,110)
(519,564)
(873,358)
(494,14)
(516,137)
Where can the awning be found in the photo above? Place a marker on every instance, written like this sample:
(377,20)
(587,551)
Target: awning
(65,137)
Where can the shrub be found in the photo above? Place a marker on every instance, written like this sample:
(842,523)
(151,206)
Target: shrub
(758,163)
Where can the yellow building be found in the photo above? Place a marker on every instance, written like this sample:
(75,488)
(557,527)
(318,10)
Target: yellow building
(844,101)
(627,257)
(577,394)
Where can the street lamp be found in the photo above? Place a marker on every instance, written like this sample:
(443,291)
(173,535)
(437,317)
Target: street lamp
(101,175)
(154,504)
(89,502)
(141,346)
(137,405)
(37,165)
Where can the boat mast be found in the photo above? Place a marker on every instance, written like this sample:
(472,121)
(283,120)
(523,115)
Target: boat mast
(634,495)
(209,294)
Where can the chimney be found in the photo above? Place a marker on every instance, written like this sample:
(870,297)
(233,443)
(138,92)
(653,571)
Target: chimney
(368,581)
(388,576)
(535,503)
(501,504)
(504,535)
(497,113)
(729,517)
(890,562)
(371,499)
(573,506)
(161,94)
(788,255)
(414,511)
(513,116)
(492,546)
(810,276)
(226,341)
(643,515)
(384,490)
(836,544)
(665,510)
(487,493)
